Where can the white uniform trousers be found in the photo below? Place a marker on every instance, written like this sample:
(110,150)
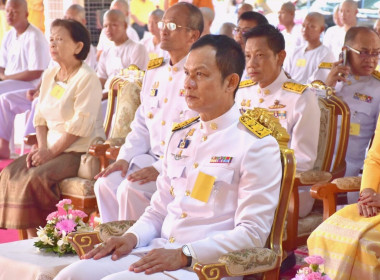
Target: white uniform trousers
(107,269)
(29,127)
(120,199)
(14,85)
(306,202)
(11,103)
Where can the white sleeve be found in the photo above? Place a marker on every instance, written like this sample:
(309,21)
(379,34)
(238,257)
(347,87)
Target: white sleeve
(38,52)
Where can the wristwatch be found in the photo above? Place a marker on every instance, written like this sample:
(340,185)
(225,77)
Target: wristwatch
(186,252)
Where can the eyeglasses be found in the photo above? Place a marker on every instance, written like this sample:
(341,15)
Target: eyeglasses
(237,30)
(171,26)
(364,54)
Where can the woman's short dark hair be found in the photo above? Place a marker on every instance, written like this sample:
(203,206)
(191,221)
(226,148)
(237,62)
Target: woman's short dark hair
(275,39)
(229,55)
(78,33)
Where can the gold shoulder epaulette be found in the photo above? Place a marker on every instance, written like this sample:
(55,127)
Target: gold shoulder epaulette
(294,87)
(325,65)
(247,83)
(376,75)
(156,62)
(254,126)
(185,124)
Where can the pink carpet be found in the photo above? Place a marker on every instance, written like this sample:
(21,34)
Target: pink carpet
(8,235)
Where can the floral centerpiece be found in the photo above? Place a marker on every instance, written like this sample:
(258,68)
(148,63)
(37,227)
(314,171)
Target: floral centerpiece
(312,272)
(53,237)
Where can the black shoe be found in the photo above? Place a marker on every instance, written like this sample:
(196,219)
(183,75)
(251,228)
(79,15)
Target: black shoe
(288,263)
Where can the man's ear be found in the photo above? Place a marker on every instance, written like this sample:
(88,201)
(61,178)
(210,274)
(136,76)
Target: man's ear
(281,57)
(232,82)
(195,34)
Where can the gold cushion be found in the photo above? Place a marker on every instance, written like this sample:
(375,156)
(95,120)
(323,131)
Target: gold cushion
(309,223)
(115,228)
(348,183)
(77,187)
(254,260)
(312,177)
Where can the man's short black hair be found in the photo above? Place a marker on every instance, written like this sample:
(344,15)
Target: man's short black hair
(229,55)
(253,16)
(274,37)
(78,33)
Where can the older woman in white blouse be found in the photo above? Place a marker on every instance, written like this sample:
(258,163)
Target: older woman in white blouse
(68,117)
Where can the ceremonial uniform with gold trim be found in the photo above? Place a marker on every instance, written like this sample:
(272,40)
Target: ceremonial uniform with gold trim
(162,104)
(295,106)
(361,93)
(217,193)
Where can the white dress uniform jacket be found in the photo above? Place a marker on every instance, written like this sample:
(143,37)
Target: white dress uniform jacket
(218,192)
(162,104)
(362,97)
(298,112)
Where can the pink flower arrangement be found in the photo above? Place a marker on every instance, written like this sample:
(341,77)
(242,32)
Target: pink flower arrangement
(312,272)
(53,237)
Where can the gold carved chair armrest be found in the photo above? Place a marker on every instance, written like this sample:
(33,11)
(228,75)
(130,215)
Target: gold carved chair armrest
(112,153)
(83,242)
(30,139)
(99,151)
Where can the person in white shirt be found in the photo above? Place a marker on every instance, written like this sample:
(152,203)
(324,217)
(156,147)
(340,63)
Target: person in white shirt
(24,52)
(334,36)
(304,61)
(204,206)
(123,190)
(152,42)
(292,32)
(105,43)
(124,51)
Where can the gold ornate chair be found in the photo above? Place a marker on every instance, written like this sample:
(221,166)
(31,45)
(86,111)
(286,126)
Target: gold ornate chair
(334,111)
(248,261)
(123,101)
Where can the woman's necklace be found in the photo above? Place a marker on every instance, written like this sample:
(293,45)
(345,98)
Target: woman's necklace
(64,80)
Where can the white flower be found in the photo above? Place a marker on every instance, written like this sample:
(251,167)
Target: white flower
(60,242)
(46,240)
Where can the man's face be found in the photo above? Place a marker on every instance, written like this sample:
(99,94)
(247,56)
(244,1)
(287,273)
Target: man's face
(152,25)
(179,38)
(365,42)
(243,27)
(206,91)
(311,29)
(73,15)
(347,13)
(285,17)
(262,64)
(115,28)
(16,13)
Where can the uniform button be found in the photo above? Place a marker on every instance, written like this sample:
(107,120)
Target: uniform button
(213,126)
(163,122)
(183,215)
(150,115)
(172,191)
(171,239)
(187,192)
(165,100)
(170,78)
(175,69)
(161,157)
(259,90)
(162,143)
(169,68)
(204,138)
(195,165)
(266,91)
(261,100)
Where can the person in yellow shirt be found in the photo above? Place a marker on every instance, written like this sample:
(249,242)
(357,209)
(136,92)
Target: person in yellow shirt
(349,239)
(140,11)
(4,27)
(36,13)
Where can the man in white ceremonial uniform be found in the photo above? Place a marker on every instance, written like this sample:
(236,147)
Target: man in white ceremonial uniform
(162,104)
(104,42)
(304,60)
(334,36)
(20,101)
(294,104)
(218,189)
(357,84)
(24,52)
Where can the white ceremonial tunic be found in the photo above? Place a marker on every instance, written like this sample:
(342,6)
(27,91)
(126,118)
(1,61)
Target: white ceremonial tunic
(154,51)
(301,64)
(293,39)
(26,52)
(162,104)
(362,97)
(334,40)
(217,193)
(116,58)
(105,43)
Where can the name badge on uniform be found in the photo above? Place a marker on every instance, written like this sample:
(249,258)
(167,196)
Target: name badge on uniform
(221,160)
(363,97)
(281,115)
(57,91)
(301,62)
(203,187)
(355,129)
